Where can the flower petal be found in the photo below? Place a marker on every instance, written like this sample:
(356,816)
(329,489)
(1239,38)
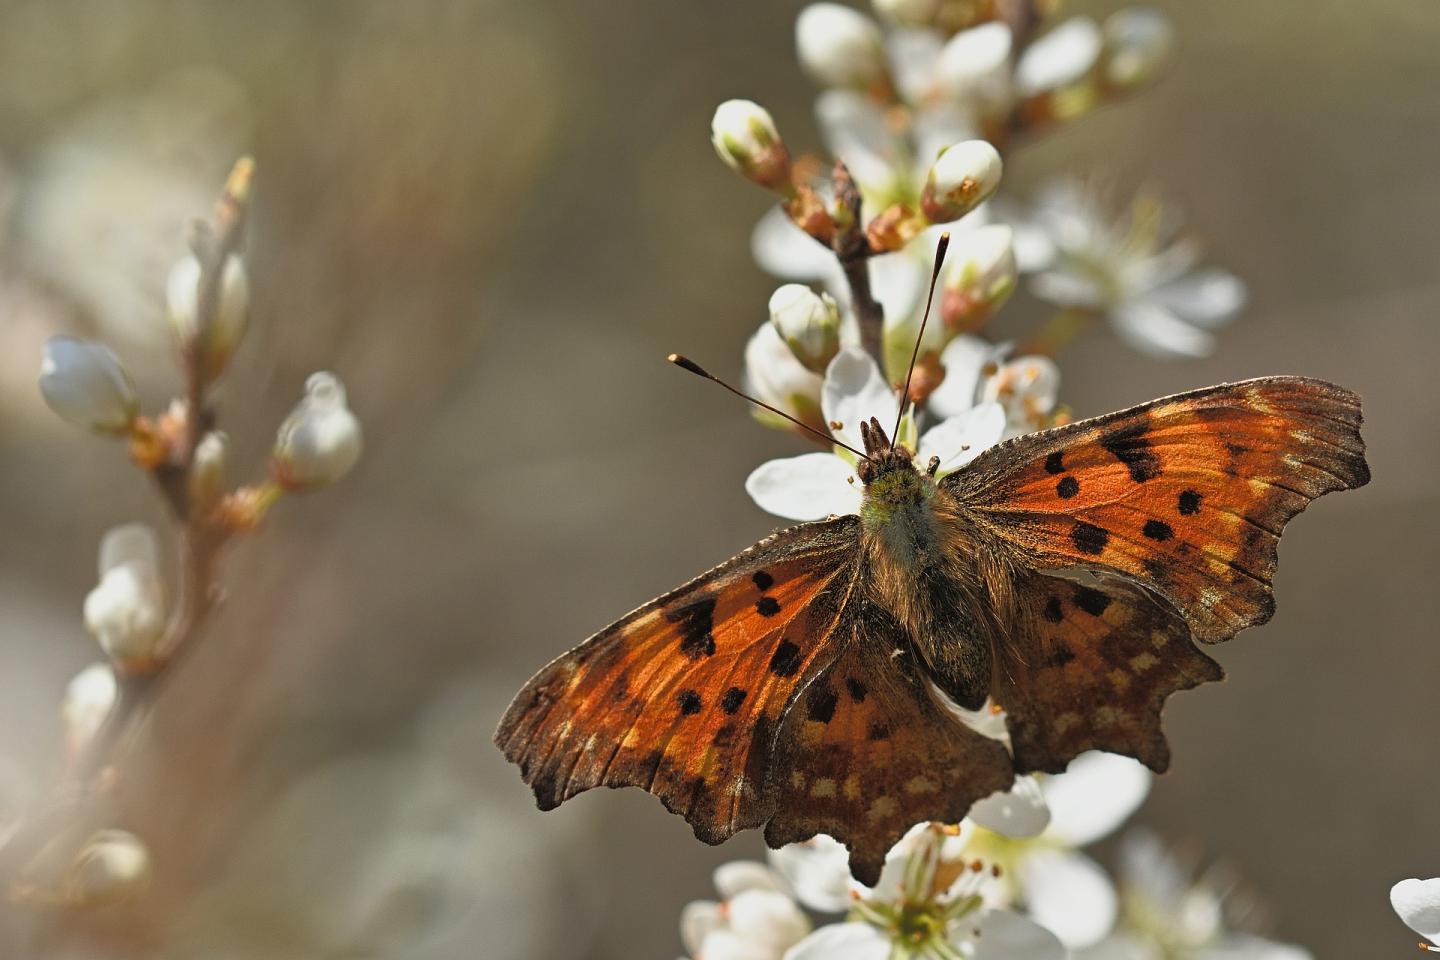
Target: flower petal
(964,359)
(1094,796)
(811,486)
(1002,935)
(1069,894)
(697,920)
(855,390)
(818,870)
(1418,904)
(1151,328)
(1067,289)
(842,941)
(737,876)
(959,439)
(1207,298)
(783,249)
(1122,946)
(767,917)
(856,131)
(1018,812)
(725,944)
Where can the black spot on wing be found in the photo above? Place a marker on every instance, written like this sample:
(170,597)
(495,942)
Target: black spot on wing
(820,704)
(879,731)
(1129,445)
(1055,463)
(1052,611)
(695,620)
(1067,487)
(1092,601)
(1089,538)
(767,606)
(689,701)
(1189,503)
(786,659)
(763,581)
(732,699)
(1158,530)
(857,689)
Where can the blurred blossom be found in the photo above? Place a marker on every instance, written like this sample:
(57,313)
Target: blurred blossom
(126,611)
(207,472)
(755,919)
(840,47)
(772,374)
(976,371)
(814,485)
(1417,902)
(1167,914)
(113,865)
(1138,273)
(1138,43)
(320,441)
(88,700)
(232,311)
(979,278)
(809,323)
(83,383)
(1060,57)
(930,901)
(109,204)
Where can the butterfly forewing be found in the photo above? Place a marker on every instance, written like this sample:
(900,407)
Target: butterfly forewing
(684,696)
(1187,494)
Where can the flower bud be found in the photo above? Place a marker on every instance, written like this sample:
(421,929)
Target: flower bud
(84,383)
(974,68)
(808,322)
(1059,58)
(774,375)
(963,177)
(320,441)
(114,865)
(745,137)
(907,13)
(126,611)
(840,47)
(1138,42)
(981,277)
(225,328)
(88,700)
(207,472)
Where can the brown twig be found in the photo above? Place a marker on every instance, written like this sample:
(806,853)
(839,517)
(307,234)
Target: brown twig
(853,251)
(84,777)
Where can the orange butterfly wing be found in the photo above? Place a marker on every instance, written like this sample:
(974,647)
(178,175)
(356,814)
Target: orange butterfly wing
(1088,667)
(684,696)
(1188,495)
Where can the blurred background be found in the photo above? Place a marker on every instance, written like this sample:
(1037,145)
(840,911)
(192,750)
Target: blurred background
(493,220)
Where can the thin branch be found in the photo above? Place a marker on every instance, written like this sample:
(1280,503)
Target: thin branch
(853,251)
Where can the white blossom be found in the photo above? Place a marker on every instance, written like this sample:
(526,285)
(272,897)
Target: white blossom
(207,471)
(114,865)
(973,68)
(126,611)
(320,441)
(84,383)
(1136,273)
(1060,57)
(774,375)
(1166,914)
(1417,902)
(1138,42)
(754,920)
(89,698)
(815,485)
(227,325)
(1027,387)
(980,277)
(809,323)
(745,137)
(962,177)
(839,46)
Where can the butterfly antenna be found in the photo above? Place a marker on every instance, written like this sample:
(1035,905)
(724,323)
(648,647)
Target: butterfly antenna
(940,249)
(684,363)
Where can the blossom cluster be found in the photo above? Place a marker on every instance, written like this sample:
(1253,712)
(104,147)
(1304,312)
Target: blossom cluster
(921,107)
(141,622)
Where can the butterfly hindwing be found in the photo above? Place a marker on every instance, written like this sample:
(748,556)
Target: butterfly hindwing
(867,752)
(684,696)
(1088,666)
(1188,495)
